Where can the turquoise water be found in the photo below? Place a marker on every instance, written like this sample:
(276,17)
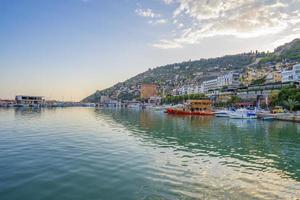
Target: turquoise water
(85,153)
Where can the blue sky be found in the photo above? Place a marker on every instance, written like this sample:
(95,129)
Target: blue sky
(67,49)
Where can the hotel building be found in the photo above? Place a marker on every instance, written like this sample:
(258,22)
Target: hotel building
(30,100)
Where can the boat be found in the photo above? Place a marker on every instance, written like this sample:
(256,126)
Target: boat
(243,114)
(265,115)
(135,106)
(223,113)
(192,107)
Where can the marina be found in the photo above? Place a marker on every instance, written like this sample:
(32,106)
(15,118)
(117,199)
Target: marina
(149,100)
(191,107)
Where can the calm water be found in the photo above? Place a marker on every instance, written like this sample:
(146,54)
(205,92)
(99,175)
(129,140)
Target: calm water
(85,153)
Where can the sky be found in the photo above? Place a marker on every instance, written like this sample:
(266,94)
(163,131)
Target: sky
(68,49)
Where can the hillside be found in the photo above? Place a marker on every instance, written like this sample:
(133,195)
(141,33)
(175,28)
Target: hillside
(290,51)
(193,72)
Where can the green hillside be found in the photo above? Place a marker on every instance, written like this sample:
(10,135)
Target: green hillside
(193,72)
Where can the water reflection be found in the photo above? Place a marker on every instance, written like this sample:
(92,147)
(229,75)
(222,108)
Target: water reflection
(83,153)
(262,145)
(28,112)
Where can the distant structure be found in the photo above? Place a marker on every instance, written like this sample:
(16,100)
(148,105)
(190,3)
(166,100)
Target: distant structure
(104,99)
(287,76)
(148,90)
(154,100)
(30,100)
(6,103)
(296,72)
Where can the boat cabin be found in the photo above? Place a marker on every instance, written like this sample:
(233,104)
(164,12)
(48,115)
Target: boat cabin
(199,105)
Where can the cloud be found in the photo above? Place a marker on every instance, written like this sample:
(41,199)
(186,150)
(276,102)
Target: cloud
(158,21)
(168,1)
(239,18)
(147,13)
(155,18)
(166,44)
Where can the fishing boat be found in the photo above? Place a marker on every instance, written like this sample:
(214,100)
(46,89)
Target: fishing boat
(193,107)
(243,114)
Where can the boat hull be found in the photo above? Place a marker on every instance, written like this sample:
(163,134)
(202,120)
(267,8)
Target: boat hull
(266,116)
(182,112)
(222,113)
(242,117)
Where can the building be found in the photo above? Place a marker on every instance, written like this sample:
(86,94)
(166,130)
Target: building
(230,79)
(286,76)
(277,76)
(6,103)
(148,90)
(30,100)
(253,74)
(273,77)
(104,99)
(155,100)
(296,72)
(210,85)
(199,89)
(183,90)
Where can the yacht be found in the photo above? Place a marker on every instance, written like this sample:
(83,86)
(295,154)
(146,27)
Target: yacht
(243,114)
(223,113)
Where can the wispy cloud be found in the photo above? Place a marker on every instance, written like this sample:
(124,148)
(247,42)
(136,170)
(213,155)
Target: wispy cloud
(147,13)
(158,21)
(198,19)
(154,18)
(166,44)
(168,1)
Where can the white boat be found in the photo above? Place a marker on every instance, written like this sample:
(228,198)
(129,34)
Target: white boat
(134,106)
(222,113)
(265,115)
(268,116)
(243,114)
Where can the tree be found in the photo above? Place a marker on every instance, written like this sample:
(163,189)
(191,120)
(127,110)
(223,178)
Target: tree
(273,98)
(291,103)
(259,81)
(234,100)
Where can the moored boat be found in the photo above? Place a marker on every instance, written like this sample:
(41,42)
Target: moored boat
(265,115)
(223,113)
(243,114)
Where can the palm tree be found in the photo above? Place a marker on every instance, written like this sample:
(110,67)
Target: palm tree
(291,103)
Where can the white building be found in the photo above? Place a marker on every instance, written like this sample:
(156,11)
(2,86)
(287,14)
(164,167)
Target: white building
(104,99)
(155,100)
(188,89)
(210,85)
(296,72)
(29,100)
(183,90)
(230,79)
(199,89)
(286,76)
